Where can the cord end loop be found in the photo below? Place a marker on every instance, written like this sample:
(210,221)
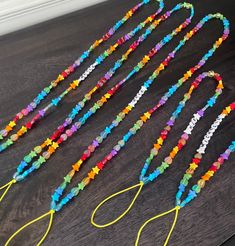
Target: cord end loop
(140,185)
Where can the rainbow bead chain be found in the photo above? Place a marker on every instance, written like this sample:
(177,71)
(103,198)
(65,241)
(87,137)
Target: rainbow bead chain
(144,118)
(193,192)
(195,189)
(132,131)
(62,134)
(71,69)
(57,203)
(185,136)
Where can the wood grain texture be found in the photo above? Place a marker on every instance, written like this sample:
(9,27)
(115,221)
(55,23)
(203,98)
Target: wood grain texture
(32,57)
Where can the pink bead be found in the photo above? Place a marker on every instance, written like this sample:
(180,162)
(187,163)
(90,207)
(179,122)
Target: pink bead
(185,136)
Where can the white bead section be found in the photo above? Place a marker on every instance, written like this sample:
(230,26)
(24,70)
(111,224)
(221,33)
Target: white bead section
(192,123)
(210,133)
(88,71)
(138,96)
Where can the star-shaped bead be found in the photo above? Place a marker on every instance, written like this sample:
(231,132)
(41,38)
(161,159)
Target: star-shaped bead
(152,176)
(55,145)
(81,186)
(193,166)
(228,109)
(91,175)
(48,141)
(59,191)
(55,197)
(96,170)
(32,154)
(23,129)
(41,159)
(160,141)
(9,142)
(210,173)
(12,124)
(67,179)
(107,130)
(76,167)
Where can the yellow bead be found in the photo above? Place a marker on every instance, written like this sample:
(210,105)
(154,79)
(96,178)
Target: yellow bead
(12,124)
(193,166)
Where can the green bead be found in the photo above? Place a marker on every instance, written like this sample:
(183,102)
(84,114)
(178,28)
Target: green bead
(160,169)
(38,149)
(165,165)
(184,182)
(32,154)
(196,188)
(81,186)
(67,179)
(132,130)
(27,158)
(140,123)
(47,89)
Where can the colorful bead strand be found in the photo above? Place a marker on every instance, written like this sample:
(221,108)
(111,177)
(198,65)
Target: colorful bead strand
(145,179)
(62,134)
(196,189)
(197,160)
(71,69)
(61,129)
(172,90)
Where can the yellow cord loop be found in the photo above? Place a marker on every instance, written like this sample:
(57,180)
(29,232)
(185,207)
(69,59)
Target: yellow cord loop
(176,210)
(7,186)
(140,185)
(50,213)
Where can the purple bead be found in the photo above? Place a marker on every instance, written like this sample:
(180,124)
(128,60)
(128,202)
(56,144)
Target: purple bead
(225,156)
(170,123)
(95,143)
(41,112)
(114,152)
(29,108)
(200,112)
(73,128)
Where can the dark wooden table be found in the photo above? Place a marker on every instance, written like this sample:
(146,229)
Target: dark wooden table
(32,57)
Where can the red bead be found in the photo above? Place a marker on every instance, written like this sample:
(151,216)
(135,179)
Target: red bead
(232,106)
(196,160)
(180,146)
(84,157)
(28,125)
(100,165)
(213,168)
(64,74)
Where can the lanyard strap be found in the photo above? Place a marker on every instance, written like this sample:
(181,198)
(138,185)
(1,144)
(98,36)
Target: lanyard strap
(37,157)
(71,69)
(144,178)
(195,190)
(57,201)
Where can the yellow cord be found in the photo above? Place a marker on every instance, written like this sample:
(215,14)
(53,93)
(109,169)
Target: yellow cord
(140,185)
(176,209)
(50,213)
(6,187)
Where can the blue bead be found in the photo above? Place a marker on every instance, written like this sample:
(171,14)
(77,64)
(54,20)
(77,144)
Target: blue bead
(181,187)
(55,101)
(55,197)
(59,191)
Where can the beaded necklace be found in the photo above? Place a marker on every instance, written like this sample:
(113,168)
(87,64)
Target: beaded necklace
(57,202)
(71,69)
(145,179)
(33,161)
(196,160)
